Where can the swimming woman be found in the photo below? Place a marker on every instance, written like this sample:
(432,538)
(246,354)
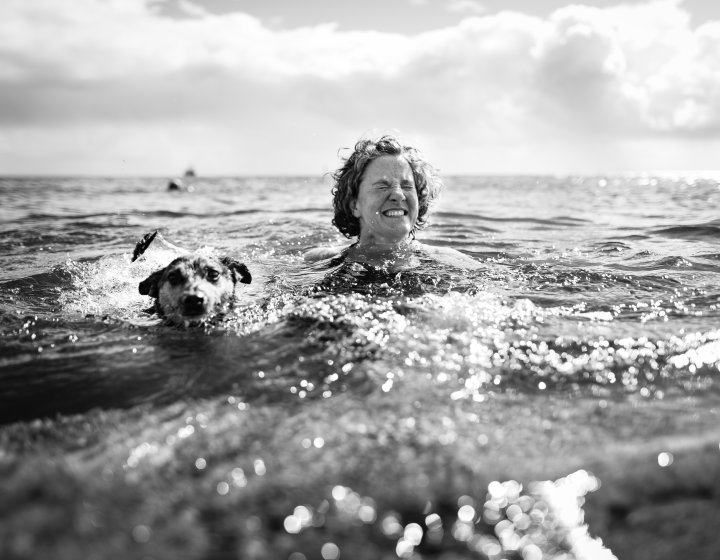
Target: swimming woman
(382,195)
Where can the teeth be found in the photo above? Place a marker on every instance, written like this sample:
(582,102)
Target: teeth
(394,212)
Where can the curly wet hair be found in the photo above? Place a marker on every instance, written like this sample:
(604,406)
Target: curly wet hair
(349,176)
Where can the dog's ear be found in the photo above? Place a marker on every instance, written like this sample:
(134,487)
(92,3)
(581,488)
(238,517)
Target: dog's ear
(149,286)
(237,268)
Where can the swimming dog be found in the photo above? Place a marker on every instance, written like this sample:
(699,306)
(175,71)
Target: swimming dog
(192,289)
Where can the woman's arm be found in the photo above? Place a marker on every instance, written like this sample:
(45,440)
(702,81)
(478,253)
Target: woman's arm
(448,255)
(322,253)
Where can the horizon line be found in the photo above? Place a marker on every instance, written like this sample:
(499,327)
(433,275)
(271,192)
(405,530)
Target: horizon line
(709,173)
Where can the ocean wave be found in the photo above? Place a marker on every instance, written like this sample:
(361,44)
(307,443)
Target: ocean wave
(697,231)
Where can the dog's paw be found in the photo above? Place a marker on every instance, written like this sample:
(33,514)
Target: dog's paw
(239,271)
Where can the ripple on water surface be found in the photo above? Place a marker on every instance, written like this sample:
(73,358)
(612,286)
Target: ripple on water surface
(365,414)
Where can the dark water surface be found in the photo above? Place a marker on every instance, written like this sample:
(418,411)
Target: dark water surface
(561,401)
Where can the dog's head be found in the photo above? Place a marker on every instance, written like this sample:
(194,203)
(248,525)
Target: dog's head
(192,289)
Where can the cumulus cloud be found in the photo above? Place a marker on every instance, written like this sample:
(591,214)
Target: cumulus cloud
(511,80)
(634,68)
(469,6)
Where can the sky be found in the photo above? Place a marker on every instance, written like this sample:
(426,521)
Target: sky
(271,87)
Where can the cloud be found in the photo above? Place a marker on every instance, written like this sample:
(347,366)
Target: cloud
(631,69)
(469,6)
(526,85)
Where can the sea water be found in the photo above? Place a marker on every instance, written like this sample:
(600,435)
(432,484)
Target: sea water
(559,401)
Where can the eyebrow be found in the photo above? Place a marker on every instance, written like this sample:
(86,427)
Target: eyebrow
(388,182)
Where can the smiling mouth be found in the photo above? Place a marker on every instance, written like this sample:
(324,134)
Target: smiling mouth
(394,213)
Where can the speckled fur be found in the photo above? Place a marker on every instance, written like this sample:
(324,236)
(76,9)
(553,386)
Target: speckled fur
(192,289)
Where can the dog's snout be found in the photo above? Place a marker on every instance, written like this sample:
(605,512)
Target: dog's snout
(194,304)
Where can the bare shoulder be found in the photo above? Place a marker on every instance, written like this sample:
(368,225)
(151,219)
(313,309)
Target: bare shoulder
(322,253)
(448,255)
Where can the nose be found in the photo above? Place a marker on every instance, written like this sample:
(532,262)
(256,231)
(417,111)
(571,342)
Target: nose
(396,192)
(194,304)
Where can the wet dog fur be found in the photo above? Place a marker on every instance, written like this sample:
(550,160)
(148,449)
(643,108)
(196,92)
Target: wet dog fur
(193,289)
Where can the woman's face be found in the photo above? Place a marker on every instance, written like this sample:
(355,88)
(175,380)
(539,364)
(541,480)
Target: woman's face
(387,203)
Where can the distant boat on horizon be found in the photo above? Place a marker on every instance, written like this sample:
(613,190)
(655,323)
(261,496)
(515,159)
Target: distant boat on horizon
(189,172)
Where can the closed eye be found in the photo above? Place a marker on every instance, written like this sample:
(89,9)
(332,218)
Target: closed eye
(405,185)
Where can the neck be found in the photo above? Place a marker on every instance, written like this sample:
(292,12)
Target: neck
(388,256)
(378,246)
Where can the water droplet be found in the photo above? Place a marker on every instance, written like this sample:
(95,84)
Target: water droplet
(404,549)
(292,524)
(259,466)
(304,514)
(413,534)
(433,521)
(367,514)
(339,493)
(665,459)
(532,552)
(141,533)
(330,551)
(466,514)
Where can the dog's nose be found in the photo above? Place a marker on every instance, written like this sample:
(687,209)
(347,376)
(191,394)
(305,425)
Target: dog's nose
(194,304)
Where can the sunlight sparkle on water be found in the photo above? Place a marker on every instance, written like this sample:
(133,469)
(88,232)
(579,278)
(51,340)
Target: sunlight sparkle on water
(466,514)
(238,477)
(330,551)
(140,452)
(186,431)
(301,518)
(665,459)
(523,523)
(413,534)
(259,466)
(433,521)
(141,533)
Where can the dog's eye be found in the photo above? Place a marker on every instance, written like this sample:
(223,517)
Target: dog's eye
(174,277)
(212,274)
